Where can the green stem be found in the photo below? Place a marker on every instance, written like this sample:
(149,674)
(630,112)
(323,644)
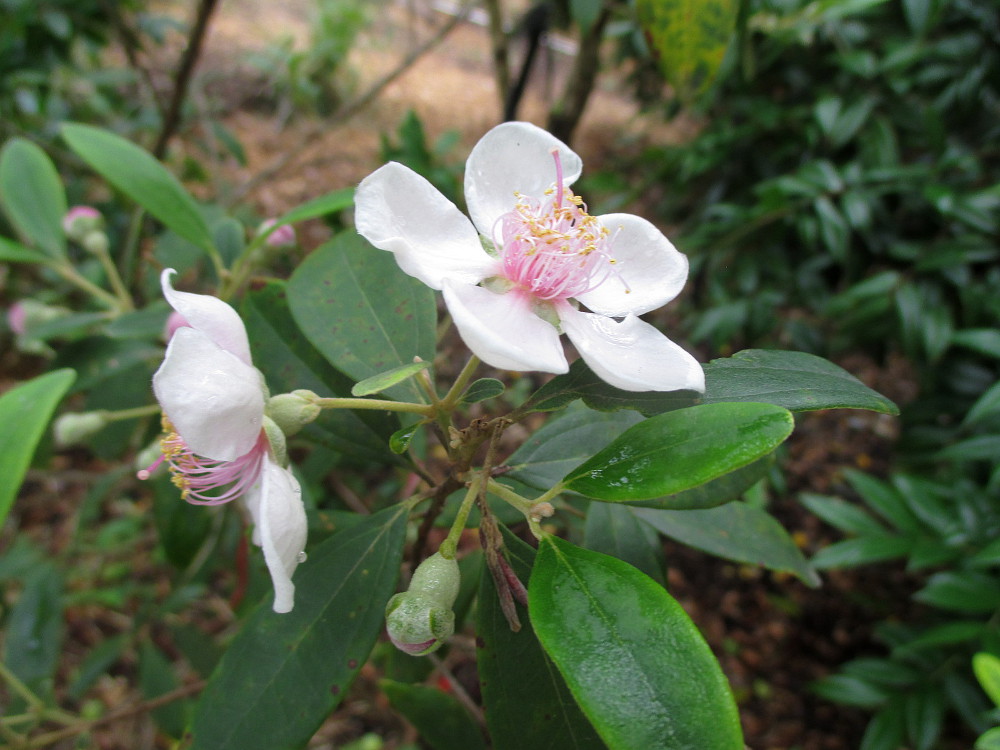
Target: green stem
(36,703)
(375,404)
(70,274)
(450,545)
(134,413)
(523,504)
(115,279)
(451,398)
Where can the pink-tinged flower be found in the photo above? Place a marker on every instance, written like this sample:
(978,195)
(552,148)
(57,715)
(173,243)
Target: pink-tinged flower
(80,221)
(17,318)
(174,321)
(548,256)
(216,441)
(283,236)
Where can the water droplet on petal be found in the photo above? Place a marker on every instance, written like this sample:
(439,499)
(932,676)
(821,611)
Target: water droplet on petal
(302,557)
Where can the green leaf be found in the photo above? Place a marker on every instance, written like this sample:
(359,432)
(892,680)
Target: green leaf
(156,677)
(361,312)
(581,383)
(862,550)
(983,340)
(399,441)
(34,630)
(25,411)
(563,442)
(284,673)
(544,717)
(681,449)
(841,514)
(736,531)
(615,530)
(716,492)
(989,740)
(481,390)
(13,252)
(794,380)
(139,324)
(385,380)
(142,178)
(32,196)
(634,661)
(585,12)
(289,362)
(443,723)
(330,203)
(987,405)
(961,591)
(690,38)
(852,691)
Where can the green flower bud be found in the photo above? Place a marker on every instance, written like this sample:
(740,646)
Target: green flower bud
(292,411)
(74,427)
(419,619)
(95,242)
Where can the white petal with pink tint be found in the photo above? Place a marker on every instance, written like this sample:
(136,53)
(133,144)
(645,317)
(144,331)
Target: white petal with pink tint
(280,528)
(513,157)
(398,210)
(213,399)
(502,330)
(631,354)
(649,271)
(211,316)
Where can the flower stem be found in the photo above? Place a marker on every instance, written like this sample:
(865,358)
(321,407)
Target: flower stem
(134,413)
(426,410)
(523,504)
(450,545)
(70,274)
(115,279)
(451,398)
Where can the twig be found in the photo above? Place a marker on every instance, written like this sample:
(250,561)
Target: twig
(152,704)
(172,119)
(306,139)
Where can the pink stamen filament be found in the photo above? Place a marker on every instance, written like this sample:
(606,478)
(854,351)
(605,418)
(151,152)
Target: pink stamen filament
(554,249)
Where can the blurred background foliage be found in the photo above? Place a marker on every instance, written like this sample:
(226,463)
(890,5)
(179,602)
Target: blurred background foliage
(839,194)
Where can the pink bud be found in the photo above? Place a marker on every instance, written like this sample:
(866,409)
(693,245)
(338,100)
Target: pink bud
(17,318)
(283,236)
(81,220)
(174,321)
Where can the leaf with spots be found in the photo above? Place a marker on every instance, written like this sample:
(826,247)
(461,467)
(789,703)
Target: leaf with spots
(284,673)
(634,661)
(362,312)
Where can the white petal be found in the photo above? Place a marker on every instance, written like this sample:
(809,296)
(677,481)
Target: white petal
(281,528)
(213,399)
(502,330)
(649,271)
(210,315)
(515,157)
(631,354)
(398,210)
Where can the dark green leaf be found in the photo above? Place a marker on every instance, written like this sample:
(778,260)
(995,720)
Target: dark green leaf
(481,390)
(156,677)
(361,312)
(634,661)
(284,673)
(841,514)
(924,713)
(716,492)
(538,719)
(439,718)
(961,591)
(983,340)
(142,178)
(34,630)
(32,196)
(886,728)
(25,412)
(616,531)
(229,237)
(140,324)
(794,380)
(736,531)
(851,691)
(681,449)
(330,203)
(862,550)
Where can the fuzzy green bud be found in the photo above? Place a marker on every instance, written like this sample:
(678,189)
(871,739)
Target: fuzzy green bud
(75,427)
(276,439)
(292,411)
(421,618)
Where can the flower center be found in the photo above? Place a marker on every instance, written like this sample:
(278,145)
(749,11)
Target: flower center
(205,481)
(553,248)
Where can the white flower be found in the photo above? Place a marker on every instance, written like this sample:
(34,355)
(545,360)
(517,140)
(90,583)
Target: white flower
(213,401)
(548,251)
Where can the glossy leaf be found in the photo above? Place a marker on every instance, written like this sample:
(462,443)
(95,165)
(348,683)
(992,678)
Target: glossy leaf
(736,531)
(385,380)
(794,380)
(544,717)
(680,450)
(443,723)
(284,673)
(32,196)
(563,442)
(615,530)
(690,38)
(634,661)
(25,411)
(289,362)
(142,178)
(718,491)
(361,312)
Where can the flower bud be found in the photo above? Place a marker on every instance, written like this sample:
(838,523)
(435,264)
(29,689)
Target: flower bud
(292,411)
(95,242)
(24,315)
(283,236)
(80,221)
(419,619)
(75,427)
